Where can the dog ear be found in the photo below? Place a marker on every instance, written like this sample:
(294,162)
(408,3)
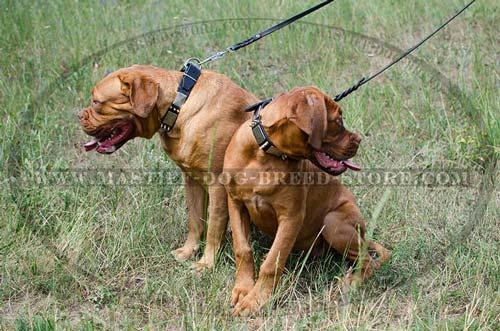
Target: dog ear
(142,90)
(309,114)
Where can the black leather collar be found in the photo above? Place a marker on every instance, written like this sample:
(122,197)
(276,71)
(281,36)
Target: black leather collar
(189,78)
(260,134)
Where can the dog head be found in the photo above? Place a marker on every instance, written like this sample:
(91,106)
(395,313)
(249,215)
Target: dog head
(306,123)
(124,106)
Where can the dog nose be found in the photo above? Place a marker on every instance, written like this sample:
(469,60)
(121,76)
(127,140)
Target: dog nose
(80,113)
(356,138)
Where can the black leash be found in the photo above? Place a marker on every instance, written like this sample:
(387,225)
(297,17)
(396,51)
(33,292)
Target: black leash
(258,131)
(262,34)
(365,80)
(192,67)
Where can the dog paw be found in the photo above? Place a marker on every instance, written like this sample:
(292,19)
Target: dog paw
(184,253)
(347,284)
(201,266)
(240,290)
(251,303)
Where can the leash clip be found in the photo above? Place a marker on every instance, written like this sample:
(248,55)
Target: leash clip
(214,57)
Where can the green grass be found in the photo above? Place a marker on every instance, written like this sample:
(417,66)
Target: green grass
(92,257)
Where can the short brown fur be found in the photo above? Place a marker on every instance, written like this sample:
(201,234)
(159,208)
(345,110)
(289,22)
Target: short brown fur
(197,143)
(298,123)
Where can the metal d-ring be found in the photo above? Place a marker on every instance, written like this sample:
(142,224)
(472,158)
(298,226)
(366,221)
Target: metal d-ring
(193,60)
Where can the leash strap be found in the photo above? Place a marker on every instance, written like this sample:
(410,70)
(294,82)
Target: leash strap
(365,80)
(192,71)
(189,78)
(264,33)
(260,134)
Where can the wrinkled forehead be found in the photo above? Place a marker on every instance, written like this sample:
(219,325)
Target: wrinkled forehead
(106,89)
(333,109)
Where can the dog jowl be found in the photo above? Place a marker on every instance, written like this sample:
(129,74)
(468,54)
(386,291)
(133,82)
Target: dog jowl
(124,106)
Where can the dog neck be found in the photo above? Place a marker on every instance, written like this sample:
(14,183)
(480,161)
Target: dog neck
(260,134)
(167,91)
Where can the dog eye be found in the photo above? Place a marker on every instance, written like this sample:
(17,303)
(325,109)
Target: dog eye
(95,103)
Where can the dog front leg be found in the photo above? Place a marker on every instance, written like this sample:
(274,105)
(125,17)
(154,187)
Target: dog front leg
(273,266)
(217,224)
(240,226)
(195,197)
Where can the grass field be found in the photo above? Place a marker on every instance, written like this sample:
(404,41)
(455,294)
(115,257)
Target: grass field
(82,256)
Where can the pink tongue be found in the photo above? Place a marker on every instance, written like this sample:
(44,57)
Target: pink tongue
(106,149)
(351,165)
(90,145)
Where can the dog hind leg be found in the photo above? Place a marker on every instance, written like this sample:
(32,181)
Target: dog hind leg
(345,232)
(218,217)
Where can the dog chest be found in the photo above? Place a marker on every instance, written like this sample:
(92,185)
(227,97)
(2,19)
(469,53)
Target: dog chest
(262,215)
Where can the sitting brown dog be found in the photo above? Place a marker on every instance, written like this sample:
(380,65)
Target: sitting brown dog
(305,126)
(130,103)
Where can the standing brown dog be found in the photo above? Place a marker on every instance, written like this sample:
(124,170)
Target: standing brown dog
(130,103)
(307,126)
